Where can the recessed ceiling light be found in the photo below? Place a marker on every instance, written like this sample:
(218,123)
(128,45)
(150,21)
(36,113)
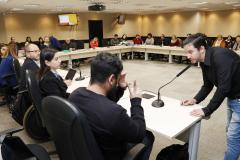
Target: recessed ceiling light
(3,0)
(236,5)
(200,3)
(60,7)
(231,2)
(31,5)
(17,9)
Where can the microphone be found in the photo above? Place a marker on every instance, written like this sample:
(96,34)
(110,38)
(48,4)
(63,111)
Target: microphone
(158,102)
(80,78)
(180,73)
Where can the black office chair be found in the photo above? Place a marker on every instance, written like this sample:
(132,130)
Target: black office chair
(71,132)
(80,44)
(33,119)
(17,69)
(12,147)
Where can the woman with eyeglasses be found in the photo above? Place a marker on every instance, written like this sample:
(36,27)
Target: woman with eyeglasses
(51,83)
(7,73)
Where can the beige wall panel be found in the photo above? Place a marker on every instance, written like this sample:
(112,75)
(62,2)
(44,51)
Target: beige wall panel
(3,35)
(172,23)
(36,25)
(222,22)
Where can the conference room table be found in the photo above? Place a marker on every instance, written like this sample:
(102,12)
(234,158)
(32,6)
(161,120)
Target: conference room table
(119,50)
(172,121)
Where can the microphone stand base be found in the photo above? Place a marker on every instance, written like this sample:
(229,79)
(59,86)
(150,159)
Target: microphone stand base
(158,103)
(80,78)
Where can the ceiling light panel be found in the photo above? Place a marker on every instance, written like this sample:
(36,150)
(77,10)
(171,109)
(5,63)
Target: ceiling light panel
(31,5)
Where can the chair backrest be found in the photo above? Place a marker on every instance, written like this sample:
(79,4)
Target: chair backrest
(69,130)
(17,69)
(34,91)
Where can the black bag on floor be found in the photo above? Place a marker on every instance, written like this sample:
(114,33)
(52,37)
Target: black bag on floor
(23,102)
(174,152)
(13,148)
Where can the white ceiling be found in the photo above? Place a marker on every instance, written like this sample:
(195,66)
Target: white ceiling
(116,6)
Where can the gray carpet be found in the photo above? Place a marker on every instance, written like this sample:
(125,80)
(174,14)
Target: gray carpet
(150,75)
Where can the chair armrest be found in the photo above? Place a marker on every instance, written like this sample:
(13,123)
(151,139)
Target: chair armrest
(134,152)
(22,91)
(16,87)
(11,131)
(8,75)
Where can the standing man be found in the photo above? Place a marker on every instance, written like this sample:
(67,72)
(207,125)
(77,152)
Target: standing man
(220,68)
(114,130)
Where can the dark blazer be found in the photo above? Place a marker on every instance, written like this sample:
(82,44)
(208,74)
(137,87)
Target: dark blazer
(28,64)
(164,42)
(50,84)
(67,46)
(7,70)
(221,68)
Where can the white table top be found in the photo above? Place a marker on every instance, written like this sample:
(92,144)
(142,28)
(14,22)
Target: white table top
(170,120)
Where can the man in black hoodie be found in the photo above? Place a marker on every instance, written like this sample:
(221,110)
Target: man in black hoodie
(115,131)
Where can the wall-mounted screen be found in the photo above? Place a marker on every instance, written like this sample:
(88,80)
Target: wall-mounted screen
(67,19)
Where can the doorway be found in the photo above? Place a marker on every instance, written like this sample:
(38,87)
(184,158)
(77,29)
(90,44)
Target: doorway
(95,28)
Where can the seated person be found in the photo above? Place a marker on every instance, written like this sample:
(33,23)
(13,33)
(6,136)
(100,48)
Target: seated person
(113,129)
(138,39)
(164,41)
(50,82)
(219,42)
(175,42)
(30,63)
(54,43)
(229,42)
(68,45)
(115,41)
(13,45)
(236,46)
(94,43)
(1,52)
(6,68)
(124,40)
(149,40)
(28,40)
(40,43)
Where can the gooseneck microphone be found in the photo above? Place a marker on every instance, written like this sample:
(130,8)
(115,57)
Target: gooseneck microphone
(159,102)
(80,78)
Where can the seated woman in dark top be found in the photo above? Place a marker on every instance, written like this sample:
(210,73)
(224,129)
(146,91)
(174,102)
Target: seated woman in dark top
(6,68)
(51,83)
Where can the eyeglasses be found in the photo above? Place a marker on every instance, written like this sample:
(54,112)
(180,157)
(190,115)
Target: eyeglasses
(36,51)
